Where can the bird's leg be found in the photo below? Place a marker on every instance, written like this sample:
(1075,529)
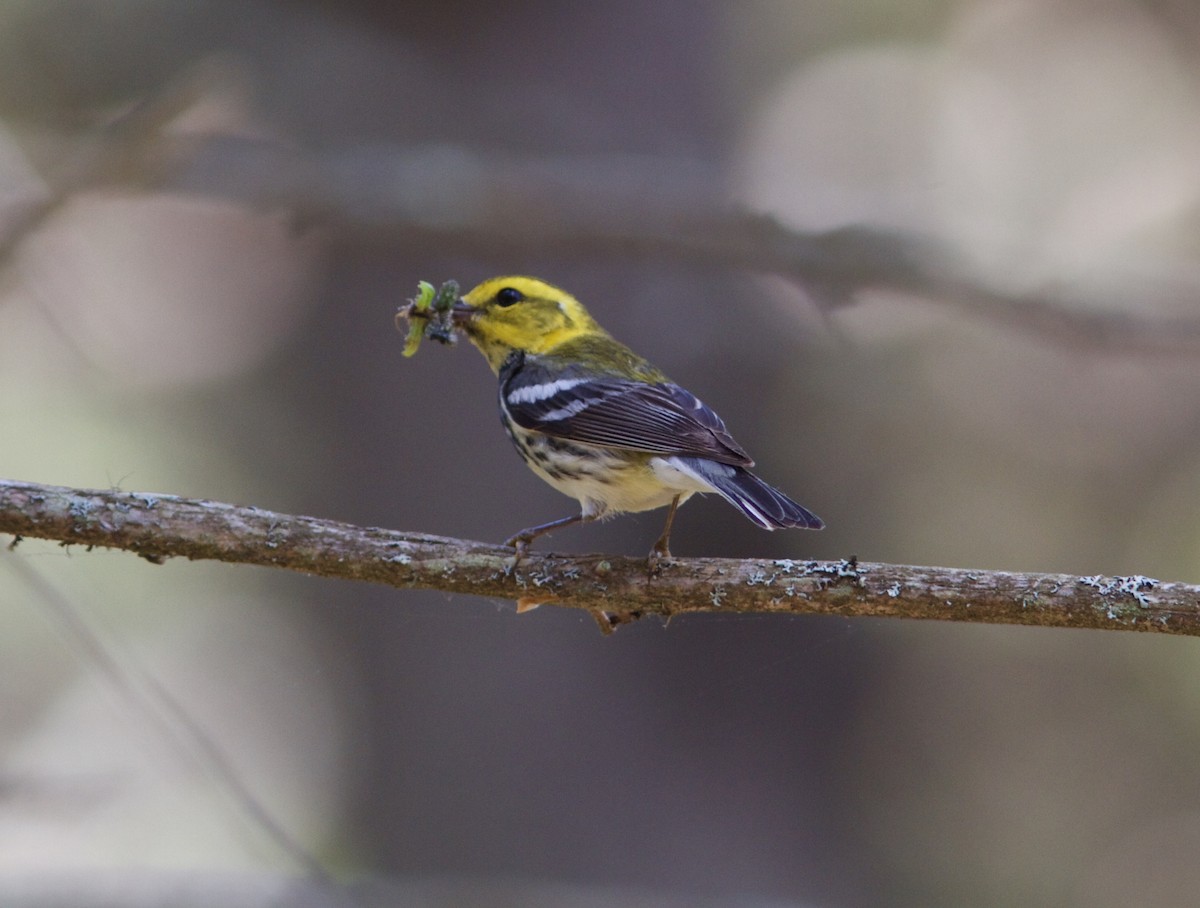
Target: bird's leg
(661,548)
(521,540)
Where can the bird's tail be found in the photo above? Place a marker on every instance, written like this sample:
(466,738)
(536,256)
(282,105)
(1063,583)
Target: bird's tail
(764,504)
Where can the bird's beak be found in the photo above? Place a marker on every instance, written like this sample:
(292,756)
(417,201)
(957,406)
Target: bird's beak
(462,314)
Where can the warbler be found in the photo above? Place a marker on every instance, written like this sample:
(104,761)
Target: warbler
(599,423)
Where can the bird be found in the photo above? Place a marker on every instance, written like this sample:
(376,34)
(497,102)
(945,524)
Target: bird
(601,424)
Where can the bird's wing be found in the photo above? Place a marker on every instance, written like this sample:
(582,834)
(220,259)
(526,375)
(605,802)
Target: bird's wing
(618,413)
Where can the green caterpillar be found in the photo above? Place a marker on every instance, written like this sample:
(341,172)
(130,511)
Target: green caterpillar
(428,315)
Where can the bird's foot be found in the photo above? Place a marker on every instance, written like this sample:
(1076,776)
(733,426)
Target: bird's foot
(520,546)
(659,555)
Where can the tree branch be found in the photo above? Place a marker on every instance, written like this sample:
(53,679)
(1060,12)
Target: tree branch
(661,209)
(614,590)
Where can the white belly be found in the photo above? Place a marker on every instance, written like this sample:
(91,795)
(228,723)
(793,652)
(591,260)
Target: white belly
(606,482)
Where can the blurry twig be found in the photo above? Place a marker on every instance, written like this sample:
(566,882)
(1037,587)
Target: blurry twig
(614,590)
(446,197)
(172,722)
(116,154)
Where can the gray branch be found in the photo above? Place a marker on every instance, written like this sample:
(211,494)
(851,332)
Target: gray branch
(443,197)
(657,209)
(615,590)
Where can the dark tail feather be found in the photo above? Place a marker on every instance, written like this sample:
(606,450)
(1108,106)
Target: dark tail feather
(764,504)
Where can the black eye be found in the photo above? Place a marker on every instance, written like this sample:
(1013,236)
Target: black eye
(508,296)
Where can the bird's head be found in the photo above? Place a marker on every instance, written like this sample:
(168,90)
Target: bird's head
(520,313)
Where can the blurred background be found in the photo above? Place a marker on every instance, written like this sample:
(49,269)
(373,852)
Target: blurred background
(209,213)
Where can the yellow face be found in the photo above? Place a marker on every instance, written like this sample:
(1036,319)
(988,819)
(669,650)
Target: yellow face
(521,313)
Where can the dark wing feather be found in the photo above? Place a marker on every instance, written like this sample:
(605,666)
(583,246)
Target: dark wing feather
(618,413)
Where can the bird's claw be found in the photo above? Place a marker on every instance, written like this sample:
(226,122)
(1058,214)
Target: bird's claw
(659,555)
(520,546)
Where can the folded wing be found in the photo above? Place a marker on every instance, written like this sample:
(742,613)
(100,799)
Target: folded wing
(618,413)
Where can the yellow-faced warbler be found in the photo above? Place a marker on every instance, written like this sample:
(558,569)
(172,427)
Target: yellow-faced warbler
(601,424)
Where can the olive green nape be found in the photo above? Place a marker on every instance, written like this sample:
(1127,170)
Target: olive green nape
(611,357)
